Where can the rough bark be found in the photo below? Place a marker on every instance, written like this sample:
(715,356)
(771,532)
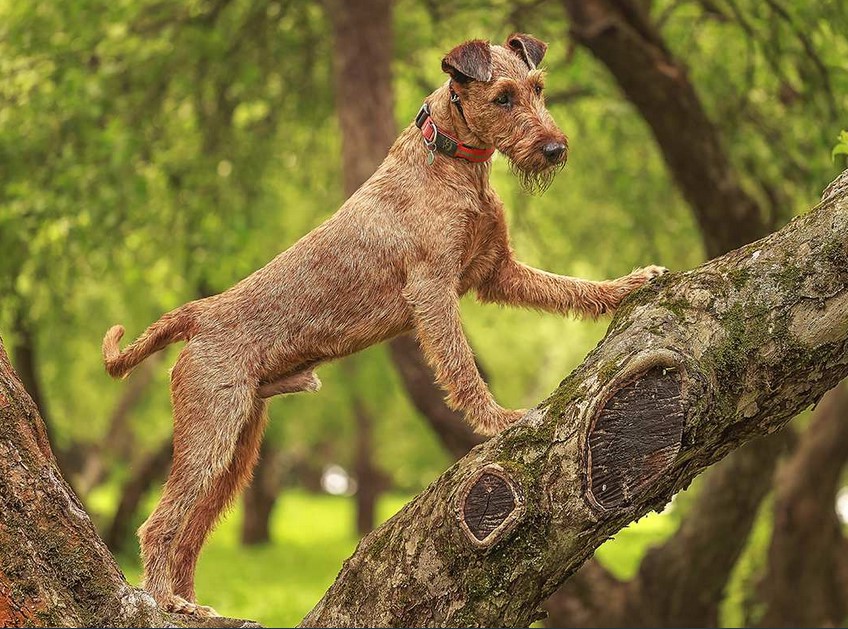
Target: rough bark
(728,351)
(660,595)
(805,581)
(26,364)
(54,569)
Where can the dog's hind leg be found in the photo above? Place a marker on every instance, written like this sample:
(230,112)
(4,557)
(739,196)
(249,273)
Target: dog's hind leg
(203,516)
(213,404)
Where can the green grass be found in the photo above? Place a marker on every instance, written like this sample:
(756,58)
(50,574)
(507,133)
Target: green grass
(277,584)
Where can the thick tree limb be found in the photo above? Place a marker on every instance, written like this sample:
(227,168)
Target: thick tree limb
(692,560)
(692,367)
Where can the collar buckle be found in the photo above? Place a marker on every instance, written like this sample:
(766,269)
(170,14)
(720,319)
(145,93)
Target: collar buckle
(422,116)
(444,143)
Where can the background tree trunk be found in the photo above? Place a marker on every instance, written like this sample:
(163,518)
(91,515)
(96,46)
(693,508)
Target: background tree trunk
(363,54)
(119,440)
(693,366)
(371,482)
(620,35)
(260,498)
(25,354)
(805,583)
(145,473)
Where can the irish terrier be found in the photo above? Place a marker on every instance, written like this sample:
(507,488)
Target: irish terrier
(421,232)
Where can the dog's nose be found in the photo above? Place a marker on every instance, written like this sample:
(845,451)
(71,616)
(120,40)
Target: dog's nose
(553,151)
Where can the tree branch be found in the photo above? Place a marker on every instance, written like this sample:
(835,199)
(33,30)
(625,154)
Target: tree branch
(692,367)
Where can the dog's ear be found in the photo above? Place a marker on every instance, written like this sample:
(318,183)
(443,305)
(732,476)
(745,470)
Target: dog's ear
(469,61)
(527,47)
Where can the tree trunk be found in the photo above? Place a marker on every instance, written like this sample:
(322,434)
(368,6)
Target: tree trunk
(620,34)
(363,56)
(26,364)
(119,440)
(150,469)
(449,425)
(369,479)
(54,569)
(363,47)
(805,581)
(692,367)
(660,595)
(260,498)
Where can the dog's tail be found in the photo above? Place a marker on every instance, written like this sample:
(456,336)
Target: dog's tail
(177,325)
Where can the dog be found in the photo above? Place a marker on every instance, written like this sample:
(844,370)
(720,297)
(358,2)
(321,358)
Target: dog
(424,230)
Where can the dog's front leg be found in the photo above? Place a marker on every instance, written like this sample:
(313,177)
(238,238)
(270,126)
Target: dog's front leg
(517,284)
(435,307)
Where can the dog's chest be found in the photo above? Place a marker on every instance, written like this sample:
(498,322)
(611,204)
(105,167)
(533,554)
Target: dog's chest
(479,250)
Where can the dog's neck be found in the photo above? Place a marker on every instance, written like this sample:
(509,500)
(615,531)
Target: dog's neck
(450,119)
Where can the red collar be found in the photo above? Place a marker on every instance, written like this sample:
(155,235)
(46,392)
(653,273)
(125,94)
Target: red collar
(437,140)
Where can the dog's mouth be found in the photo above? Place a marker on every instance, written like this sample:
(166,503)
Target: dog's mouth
(537,176)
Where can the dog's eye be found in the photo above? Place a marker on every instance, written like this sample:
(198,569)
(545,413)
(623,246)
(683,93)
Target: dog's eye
(538,90)
(504,100)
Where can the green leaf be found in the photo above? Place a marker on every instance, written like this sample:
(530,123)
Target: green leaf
(842,147)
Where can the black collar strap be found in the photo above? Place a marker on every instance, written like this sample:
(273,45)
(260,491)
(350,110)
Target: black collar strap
(455,100)
(446,144)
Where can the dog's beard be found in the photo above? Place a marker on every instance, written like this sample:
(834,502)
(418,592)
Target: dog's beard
(535,181)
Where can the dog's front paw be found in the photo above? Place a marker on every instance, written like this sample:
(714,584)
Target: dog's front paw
(638,278)
(499,421)
(623,286)
(648,273)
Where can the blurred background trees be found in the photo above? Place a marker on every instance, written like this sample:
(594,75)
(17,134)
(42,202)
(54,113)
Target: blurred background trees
(154,152)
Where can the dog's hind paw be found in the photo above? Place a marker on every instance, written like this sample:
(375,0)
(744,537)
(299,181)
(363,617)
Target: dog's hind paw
(179,605)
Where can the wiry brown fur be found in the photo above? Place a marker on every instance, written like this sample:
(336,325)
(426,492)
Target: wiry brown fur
(396,257)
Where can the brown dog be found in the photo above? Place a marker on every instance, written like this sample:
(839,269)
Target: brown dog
(421,232)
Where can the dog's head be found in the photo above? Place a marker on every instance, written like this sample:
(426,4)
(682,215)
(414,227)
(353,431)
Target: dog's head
(500,91)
